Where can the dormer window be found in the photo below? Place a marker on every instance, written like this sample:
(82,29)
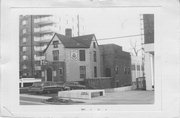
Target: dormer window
(55,43)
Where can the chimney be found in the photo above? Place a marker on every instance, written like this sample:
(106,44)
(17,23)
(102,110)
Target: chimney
(68,32)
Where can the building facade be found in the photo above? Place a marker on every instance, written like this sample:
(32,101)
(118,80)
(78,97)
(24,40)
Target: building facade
(149,50)
(137,67)
(116,63)
(71,58)
(35,33)
(26,57)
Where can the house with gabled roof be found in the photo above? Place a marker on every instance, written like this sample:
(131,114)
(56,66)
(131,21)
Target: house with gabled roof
(71,58)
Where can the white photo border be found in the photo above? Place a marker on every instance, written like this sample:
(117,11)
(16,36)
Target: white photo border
(166,92)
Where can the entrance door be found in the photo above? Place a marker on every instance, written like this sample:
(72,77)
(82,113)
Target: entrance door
(49,74)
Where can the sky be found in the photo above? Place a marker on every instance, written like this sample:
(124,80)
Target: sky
(108,23)
(111,24)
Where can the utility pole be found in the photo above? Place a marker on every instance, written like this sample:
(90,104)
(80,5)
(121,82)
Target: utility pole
(78,24)
(142,42)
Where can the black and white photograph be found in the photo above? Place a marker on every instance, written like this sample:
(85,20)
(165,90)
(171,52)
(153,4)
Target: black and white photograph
(86,58)
(90,59)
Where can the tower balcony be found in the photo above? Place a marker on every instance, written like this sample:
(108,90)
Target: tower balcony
(44,38)
(40,48)
(39,58)
(43,31)
(37,67)
(42,21)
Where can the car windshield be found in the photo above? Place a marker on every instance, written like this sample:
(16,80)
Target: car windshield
(37,84)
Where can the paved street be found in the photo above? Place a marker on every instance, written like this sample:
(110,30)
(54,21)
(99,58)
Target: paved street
(125,97)
(26,99)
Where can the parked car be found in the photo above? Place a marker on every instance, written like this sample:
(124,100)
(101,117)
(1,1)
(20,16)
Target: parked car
(74,85)
(46,87)
(63,86)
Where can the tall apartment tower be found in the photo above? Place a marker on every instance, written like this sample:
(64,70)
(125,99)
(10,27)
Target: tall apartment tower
(35,31)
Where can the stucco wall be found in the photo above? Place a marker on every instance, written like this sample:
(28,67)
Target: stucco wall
(72,65)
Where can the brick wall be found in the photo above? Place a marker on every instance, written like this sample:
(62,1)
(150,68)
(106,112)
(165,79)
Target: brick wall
(98,83)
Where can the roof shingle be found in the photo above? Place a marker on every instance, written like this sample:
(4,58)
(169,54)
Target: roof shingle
(74,42)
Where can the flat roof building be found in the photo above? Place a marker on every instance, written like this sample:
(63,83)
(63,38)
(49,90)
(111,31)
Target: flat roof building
(116,63)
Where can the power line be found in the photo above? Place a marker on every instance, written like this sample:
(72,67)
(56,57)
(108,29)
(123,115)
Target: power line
(120,37)
(44,43)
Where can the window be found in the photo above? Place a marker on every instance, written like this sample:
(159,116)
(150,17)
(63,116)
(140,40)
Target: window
(116,69)
(24,31)
(133,67)
(82,72)
(94,44)
(108,72)
(94,56)
(125,70)
(55,43)
(55,55)
(24,40)
(24,67)
(24,74)
(95,71)
(60,71)
(142,67)
(24,49)
(82,55)
(25,57)
(24,22)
